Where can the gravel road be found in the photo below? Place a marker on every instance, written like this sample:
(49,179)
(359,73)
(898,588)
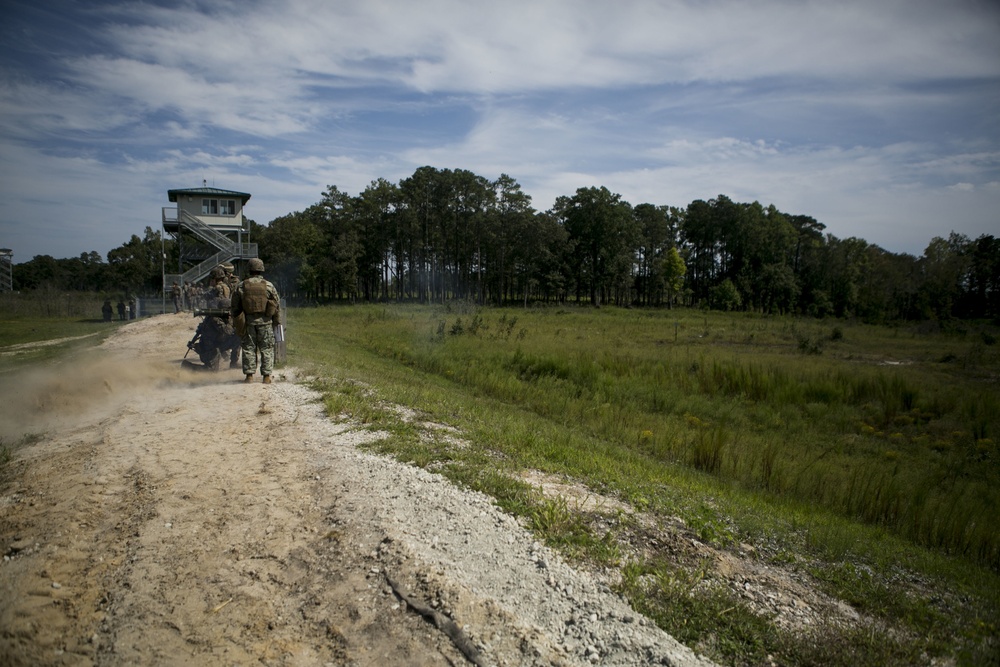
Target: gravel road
(163,516)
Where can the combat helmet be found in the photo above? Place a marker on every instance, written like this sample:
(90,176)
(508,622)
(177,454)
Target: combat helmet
(255,265)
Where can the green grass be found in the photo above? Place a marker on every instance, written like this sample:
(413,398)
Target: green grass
(19,333)
(867,447)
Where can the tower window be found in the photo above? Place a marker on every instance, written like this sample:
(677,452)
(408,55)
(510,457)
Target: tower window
(218,207)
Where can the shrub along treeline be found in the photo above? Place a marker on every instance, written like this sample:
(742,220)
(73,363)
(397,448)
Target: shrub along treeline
(445,234)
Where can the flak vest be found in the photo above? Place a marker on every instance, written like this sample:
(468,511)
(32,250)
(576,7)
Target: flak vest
(255,301)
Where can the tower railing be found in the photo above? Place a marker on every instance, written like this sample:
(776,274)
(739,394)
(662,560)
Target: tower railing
(228,250)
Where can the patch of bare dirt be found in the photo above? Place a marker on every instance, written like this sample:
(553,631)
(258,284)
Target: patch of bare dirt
(787,595)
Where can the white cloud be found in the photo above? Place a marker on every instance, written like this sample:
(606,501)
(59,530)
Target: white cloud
(63,206)
(29,109)
(525,45)
(529,45)
(225,104)
(349,174)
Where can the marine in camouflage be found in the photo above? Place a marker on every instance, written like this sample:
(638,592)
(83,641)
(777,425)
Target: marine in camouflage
(257,300)
(258,337)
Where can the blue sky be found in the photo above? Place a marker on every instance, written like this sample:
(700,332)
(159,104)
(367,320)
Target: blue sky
(881,119)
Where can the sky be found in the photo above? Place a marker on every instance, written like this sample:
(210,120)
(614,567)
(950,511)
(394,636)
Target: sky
(879,118)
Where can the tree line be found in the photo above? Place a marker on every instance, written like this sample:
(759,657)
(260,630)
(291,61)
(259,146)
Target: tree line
(444,234)
(134,268)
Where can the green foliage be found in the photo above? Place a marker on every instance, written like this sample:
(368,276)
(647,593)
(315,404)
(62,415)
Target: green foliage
(135,267)
(698,613)
(810,346)
(873,455)
(604,234)
(442,235)
(725,296)
(51,306)
(869,431)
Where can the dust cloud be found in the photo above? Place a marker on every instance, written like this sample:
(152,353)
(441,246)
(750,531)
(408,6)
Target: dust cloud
(93,382)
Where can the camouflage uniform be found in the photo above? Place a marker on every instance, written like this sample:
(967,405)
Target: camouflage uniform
(216,336)
(231,279)
(219,293)
(233,282)
(257,299)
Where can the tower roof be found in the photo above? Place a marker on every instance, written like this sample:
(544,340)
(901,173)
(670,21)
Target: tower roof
(207,192)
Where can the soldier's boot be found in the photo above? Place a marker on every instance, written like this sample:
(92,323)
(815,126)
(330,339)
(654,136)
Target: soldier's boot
(248,378)
(267,379)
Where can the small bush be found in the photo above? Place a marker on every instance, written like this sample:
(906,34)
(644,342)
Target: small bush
(808,346)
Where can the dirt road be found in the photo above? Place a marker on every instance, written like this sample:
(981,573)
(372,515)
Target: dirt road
(168,517)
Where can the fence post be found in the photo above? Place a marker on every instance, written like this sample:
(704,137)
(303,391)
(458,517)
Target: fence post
(280,334)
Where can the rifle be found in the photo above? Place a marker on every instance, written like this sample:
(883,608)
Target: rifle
(197,335)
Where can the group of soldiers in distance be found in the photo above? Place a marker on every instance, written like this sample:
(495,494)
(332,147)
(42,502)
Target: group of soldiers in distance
(126,310)
(194,296)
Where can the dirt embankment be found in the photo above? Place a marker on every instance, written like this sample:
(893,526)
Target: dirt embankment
(170,517)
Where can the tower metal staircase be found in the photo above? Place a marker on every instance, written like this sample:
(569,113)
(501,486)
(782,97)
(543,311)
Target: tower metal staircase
(176,220)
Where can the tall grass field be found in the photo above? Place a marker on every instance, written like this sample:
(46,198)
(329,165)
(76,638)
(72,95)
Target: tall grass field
(864,457)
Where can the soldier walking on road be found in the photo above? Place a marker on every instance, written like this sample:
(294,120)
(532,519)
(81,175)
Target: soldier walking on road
(257,299)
